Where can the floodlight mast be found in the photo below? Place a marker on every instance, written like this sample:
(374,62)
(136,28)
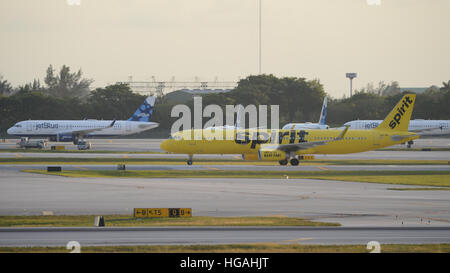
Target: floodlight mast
(351,76)
(260,36)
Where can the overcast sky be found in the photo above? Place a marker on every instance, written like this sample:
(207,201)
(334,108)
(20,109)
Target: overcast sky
(403,40)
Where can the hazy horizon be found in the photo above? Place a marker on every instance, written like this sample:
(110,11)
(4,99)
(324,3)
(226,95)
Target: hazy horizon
(400,40)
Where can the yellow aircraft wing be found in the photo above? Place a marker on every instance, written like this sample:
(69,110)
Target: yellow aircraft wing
(399,137)
(293,147)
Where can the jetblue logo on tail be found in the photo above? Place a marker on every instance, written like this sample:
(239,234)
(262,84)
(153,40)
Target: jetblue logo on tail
(400,111)
(144,112)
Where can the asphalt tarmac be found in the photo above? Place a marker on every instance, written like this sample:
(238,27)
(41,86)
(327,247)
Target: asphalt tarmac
(348,203)
(367,211)
(386,155)
(152,145)
(249,167)
(222,235)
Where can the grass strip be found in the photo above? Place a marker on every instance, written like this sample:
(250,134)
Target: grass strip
(419,189)
(240,248)
(129,221)
(35,150)
(182,161)
(425,149)
(418,178)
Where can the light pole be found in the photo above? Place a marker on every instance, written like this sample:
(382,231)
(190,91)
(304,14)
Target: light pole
(351,76)
(260,13)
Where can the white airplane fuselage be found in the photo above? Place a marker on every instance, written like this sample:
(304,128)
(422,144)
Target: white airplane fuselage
(420,126)
(59,130)
(74,130)
(306,125)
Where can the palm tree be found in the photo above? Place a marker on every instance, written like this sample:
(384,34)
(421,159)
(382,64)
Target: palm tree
(446,86)
(5,87)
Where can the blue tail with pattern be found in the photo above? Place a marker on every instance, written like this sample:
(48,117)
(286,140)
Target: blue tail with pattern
(144,112)
(323,113)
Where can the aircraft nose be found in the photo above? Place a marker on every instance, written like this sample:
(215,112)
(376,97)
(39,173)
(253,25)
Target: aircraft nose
(164,145)
(9,131)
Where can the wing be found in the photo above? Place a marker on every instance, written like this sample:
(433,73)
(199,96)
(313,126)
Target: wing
(400,137)
(425,130)
(293,147)
(87,131)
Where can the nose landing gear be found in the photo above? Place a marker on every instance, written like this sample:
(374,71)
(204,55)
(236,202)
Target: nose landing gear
(189,161)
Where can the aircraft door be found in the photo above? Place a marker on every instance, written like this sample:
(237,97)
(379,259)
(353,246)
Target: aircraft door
(128,127)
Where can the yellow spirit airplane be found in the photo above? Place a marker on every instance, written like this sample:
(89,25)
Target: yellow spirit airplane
(290,145)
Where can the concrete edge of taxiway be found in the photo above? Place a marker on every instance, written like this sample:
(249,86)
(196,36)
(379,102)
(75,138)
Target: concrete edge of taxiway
(221,228)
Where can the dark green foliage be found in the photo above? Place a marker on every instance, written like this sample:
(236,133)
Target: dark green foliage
(432,104)
(113,102)
(300,100)
(5,87)
(66,84)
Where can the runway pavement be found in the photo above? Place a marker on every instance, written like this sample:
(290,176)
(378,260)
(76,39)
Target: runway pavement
(222,235)
(152,145)
(387,155)
(124,146)
(114,144)
(249,167)
(348,203)
(367,211)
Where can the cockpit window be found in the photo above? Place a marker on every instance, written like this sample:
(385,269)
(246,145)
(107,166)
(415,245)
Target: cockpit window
(18,125)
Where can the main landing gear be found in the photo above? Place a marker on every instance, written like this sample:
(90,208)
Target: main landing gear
(189,161)
(293,160)
(283,162)
(410,143)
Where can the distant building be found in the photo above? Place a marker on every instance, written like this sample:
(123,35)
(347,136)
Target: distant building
(166,87)
(184,95)
(205,91)
(418,90)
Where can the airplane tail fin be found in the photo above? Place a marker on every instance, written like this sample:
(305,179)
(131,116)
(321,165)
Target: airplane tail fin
(144,112)
(398,118)
(323,113)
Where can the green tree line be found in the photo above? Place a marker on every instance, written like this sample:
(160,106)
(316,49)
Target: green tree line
(64,96)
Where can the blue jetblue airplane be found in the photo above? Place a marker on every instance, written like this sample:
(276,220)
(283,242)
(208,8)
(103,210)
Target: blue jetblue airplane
(76,130)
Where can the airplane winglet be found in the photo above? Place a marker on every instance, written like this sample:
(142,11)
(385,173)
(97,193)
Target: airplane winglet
(112,123)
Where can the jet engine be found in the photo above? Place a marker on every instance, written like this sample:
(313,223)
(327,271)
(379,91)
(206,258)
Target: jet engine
(250,156)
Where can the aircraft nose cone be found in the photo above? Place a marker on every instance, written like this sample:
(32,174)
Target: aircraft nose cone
(164,145)
(9,131)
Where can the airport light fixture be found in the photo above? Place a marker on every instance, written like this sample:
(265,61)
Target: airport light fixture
(351,76)
(260,37)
